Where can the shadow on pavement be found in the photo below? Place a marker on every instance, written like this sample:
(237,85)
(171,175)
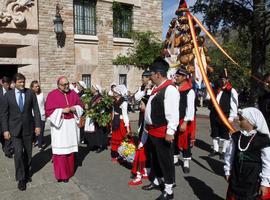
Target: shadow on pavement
(40,160)
(46,141)
(80,156)
(203,145)
(216,165)
(201,190)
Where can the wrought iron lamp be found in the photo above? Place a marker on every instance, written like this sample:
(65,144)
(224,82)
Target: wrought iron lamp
(58,24)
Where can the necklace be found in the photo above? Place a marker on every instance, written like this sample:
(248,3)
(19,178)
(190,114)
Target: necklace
(239,141)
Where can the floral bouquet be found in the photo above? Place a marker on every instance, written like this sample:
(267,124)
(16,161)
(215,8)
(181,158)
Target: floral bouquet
(127,151)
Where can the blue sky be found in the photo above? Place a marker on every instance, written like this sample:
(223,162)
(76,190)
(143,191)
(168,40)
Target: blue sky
(169,8)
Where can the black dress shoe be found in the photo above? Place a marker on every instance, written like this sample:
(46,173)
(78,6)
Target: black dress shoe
(99,150)
(186,170)
(165,196)
(28,179)
(221,156)
(22,185)
(213,153)
(65,180)
(151,186)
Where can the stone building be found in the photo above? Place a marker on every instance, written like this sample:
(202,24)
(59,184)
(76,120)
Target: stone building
(94,32)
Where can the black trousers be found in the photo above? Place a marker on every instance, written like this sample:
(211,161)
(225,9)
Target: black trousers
(162,159)
(22,155)
(218,129)
(185,152)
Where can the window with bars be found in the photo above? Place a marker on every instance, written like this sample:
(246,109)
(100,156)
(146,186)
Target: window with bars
(123,79)
(85,17)
(87,79)
(122,20)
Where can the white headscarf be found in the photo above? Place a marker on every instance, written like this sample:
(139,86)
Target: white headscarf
(82,83)
(256,118)
(121,89)
(97,87)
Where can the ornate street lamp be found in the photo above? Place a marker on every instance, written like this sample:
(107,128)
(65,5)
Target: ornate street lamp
(58,24)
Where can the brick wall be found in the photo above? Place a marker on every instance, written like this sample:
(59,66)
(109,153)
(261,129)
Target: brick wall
(55,61)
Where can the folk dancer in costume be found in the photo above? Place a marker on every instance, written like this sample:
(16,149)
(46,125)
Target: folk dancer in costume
(96,139)
(81,87)
(63,109)
(142,163)
(161,121)
(247,161)
(186,117)
(120,120)
(227,98)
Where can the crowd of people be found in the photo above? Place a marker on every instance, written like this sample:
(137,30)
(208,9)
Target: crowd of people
(166,121)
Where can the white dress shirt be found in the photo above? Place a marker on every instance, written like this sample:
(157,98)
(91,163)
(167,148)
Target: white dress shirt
(41,103)
(190,110)
(233,103)
(171,108)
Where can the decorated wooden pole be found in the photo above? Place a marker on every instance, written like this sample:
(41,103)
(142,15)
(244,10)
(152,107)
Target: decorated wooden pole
(184,47)
(206,81)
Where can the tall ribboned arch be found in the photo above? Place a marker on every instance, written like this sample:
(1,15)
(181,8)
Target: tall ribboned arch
(183,5)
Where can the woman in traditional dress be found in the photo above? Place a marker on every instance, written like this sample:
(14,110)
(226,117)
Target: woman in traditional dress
(98,138)
(247,160)
(120,120)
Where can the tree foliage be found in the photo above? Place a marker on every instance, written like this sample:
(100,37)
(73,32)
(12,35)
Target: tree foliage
(250,19)
(226,15)
(239,76)
(147,46)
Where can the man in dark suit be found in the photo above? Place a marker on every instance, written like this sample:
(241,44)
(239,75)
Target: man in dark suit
(18,123)
(3,89)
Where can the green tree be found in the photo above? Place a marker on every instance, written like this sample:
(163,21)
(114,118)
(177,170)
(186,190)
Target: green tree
(239,76)
(147,46)
(250,19)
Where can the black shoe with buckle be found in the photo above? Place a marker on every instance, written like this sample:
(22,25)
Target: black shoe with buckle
(22,185)
(186,170)
(221,156)
(213,153)
(151,186)
(165,196)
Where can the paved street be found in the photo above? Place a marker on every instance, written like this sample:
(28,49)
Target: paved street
(97,178)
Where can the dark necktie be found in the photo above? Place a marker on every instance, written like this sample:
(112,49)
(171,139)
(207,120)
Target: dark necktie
(21,102)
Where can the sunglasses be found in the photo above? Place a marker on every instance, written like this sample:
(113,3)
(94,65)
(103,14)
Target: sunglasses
(64,84)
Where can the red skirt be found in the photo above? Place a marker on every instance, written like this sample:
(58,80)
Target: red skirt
(231,196)
(183,137)
(139,161)
(63,166)
(118,136)
(193,131)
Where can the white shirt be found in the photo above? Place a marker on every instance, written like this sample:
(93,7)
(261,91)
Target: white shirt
(124,116)
(233,103)
(4,90)
(190,110)
(141,93)
(41,103)
(171,108)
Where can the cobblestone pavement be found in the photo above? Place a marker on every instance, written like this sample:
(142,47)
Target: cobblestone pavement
(97,178)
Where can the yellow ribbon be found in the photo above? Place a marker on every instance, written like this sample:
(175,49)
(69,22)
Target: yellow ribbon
(207,83)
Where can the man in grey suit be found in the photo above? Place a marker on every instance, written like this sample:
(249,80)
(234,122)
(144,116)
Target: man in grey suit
(18,124)
(3,89)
